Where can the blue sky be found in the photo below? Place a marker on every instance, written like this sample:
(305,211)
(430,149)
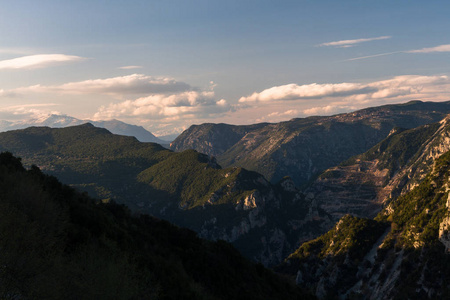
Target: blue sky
(168,64)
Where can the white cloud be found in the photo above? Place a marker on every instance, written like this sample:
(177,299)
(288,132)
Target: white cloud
(189,104)
(37,61)
(350,43)
(123,85)
(397,86)
(162,99)
(441,48)
(309,91)
(130,67)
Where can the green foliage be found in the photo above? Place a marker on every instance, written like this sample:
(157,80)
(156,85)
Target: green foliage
(417,214)
(195,179)
(351,235)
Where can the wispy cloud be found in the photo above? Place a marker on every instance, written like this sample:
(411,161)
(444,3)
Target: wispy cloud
(121,86)
(375,55)
(37,61)
(441,48)
(130,67)
(351,43)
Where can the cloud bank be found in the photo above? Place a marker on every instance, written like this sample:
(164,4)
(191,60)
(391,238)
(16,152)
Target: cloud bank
(394,87)
(37,61)
(191,104)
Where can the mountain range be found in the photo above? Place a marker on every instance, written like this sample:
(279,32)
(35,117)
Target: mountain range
(265,221)
(303,148)
(361,212)
(58,121)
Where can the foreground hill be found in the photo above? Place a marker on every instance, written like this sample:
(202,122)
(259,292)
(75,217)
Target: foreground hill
(303,148)
(264,221)
(59,244)
(401,254)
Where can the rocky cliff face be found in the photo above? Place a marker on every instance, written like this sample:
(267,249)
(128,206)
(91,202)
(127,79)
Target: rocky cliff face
(364,184)
(303,148)
(265,225)
(401,254)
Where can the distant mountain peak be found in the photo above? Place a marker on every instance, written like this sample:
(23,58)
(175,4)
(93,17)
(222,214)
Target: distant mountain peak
(61,120)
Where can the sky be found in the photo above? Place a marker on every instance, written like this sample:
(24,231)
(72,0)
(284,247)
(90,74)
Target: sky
(168,64)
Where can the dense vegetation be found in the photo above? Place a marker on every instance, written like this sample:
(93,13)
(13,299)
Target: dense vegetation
(335,257)
(56,243)
(195,178)
(351,235)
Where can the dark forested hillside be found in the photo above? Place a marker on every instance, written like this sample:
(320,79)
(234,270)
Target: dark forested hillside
(303,148)
(56,243)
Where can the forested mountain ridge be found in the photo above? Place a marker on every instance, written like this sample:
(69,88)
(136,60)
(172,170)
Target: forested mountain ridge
(59,244)
(264,221)
(303,148)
